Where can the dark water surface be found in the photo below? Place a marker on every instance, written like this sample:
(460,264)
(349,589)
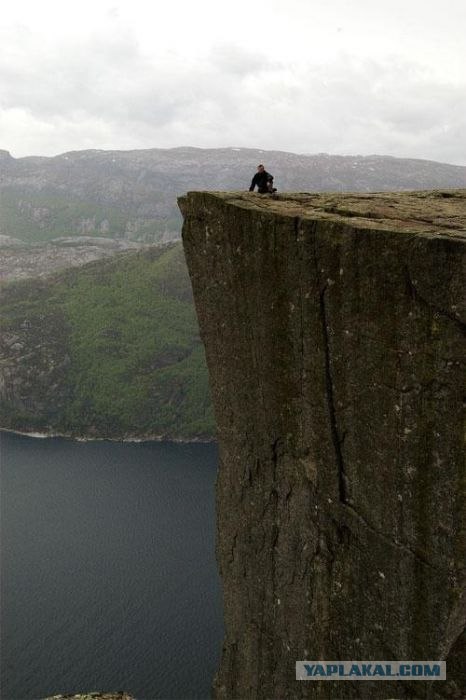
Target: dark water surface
(109,580)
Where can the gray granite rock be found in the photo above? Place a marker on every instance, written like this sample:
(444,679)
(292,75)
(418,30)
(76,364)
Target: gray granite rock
(334,333)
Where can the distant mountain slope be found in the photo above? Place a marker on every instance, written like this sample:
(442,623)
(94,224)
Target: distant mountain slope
(132,194)
(22,260)
(110,349)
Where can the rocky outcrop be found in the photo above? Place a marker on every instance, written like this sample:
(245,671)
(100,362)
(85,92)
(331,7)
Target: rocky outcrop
(334,330)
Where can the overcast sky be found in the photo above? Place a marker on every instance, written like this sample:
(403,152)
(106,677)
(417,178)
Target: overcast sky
(309,76)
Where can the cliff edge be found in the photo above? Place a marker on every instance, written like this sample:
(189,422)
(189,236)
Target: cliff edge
(334,330)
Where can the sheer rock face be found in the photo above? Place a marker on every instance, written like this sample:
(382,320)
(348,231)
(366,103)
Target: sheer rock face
(334,330)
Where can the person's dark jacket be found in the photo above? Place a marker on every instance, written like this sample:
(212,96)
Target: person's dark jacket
(261,179)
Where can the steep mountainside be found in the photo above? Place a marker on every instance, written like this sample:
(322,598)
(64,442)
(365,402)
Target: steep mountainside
(110,349)
(334,334)
(132,194)
(21,260)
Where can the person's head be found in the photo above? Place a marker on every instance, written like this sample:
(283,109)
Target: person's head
(260,168)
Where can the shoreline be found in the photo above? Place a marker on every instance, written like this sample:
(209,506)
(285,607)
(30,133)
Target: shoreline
(68,436)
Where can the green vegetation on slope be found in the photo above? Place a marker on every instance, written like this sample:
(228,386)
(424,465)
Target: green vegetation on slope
(44,215)
(110,349)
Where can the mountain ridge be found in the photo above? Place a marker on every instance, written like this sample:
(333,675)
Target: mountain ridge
(198,149)
(132,194)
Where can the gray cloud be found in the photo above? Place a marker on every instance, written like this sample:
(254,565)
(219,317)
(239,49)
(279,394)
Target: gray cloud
(231,59)
(105,92)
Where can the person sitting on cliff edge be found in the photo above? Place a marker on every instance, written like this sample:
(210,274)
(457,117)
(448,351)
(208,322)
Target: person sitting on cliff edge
(263,180)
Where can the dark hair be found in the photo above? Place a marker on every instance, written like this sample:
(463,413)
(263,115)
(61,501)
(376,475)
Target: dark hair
(260,165)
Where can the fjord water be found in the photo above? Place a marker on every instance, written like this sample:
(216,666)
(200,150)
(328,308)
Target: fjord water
(109,579)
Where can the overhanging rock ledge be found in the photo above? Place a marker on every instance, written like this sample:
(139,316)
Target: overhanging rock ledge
(334,333)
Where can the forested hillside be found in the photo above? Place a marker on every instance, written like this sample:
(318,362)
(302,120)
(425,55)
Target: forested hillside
(107,350)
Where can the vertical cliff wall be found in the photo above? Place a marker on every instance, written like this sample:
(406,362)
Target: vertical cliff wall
(334,331)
